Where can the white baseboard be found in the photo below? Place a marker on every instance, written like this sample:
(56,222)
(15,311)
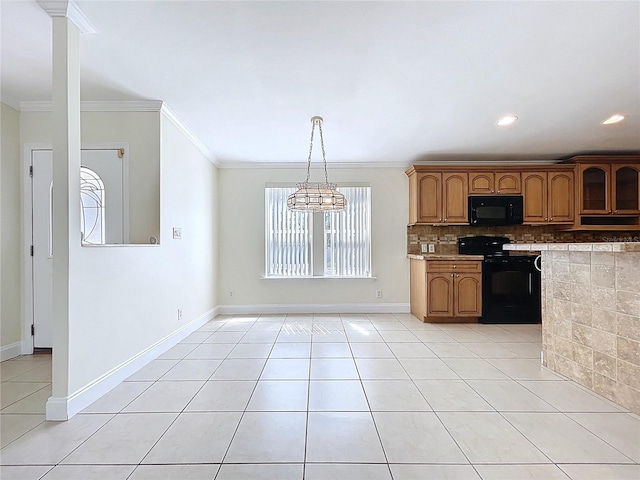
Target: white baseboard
(63,408)
(317,308)
(10,351)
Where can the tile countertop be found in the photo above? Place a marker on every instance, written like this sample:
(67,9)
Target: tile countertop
(576,247)
(450,256)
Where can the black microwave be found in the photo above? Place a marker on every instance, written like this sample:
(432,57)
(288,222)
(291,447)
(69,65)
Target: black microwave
(487,210)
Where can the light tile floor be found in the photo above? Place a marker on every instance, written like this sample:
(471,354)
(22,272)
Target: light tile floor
(326,397)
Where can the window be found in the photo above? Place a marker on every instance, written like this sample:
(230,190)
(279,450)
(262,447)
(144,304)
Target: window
(343,250)
(91,207)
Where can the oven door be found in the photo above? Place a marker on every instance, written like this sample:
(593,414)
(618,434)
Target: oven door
(510,290)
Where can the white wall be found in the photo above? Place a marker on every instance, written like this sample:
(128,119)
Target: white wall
(141,131)
(125,299)
(242,247)
(10,267)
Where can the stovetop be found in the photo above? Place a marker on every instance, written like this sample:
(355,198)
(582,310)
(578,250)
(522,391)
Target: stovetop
(511,259)
(483,245)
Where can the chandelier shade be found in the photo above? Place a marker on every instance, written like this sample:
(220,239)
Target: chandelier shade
(316,197)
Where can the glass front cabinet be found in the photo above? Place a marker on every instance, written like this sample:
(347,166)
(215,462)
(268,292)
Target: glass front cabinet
(609,188)
(625,191)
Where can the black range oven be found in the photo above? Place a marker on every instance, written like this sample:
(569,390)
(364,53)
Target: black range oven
(510,283)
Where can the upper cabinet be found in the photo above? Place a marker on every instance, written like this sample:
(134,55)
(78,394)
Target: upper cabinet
(608,193)
(609,189)
(625,191)
(438,198)
(595,189)
(588,192)
(488,183)
(548,197)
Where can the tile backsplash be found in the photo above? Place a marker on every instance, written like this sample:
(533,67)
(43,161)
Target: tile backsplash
(446,238)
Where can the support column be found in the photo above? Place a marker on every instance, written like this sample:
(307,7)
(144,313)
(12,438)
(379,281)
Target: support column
(66,194)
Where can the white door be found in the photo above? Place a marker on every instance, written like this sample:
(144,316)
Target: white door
(41,194)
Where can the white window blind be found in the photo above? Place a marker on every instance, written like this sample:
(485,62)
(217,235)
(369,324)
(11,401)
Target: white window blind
(347,235)
(288,235)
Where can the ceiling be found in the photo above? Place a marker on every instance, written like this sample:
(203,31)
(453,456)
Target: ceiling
(396,82)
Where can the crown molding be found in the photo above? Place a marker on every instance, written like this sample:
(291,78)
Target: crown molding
(67,8)
(168,113)
(130,106)
(99,106)
(296,165)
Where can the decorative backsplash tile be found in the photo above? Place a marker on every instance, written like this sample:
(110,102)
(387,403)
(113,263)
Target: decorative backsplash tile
(446,238)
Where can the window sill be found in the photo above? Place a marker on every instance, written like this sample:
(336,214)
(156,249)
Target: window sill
(319,277)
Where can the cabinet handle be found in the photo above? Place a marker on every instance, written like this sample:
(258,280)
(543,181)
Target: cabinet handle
(551,219)
(455,266)
(498,191)
(457,275)
(452,275)
(446,219)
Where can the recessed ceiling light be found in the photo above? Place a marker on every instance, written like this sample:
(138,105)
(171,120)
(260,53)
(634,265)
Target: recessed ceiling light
(613,119)
(506,120)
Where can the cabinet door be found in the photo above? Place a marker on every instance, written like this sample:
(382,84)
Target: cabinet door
(481,183)
(429,198)
(535,197)
(468,295)
(625,189)
(508,182)
(418,293)
(440,294)
(561,197)
(594,189)
(454,198)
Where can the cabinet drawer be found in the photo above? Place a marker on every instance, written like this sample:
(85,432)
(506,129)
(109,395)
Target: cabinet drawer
(454,266)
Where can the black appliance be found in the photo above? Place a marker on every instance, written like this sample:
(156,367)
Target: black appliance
(495,210)
(510,283)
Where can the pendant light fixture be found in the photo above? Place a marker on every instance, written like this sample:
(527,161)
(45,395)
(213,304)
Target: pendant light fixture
(316,197)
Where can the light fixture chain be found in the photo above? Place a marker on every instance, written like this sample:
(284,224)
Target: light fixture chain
(313,127)
(324,157)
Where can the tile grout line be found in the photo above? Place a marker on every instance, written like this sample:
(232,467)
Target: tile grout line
(235,432)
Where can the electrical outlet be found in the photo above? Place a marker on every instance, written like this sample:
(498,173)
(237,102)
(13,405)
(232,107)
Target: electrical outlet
(230,293)
(179,314)
(378,293)
(177,233)
(432,248)
(423,247)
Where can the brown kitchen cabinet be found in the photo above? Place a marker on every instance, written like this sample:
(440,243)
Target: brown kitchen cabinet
(548,197)
(488,183)
(446,290)
(609,188)
(438,198)
(418,287)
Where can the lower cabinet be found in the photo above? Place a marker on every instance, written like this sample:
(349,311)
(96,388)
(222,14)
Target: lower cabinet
(446,291)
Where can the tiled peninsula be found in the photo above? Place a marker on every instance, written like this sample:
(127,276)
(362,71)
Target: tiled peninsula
(591,315)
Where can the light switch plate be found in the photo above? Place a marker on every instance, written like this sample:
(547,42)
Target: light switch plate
(177,233)
(423,247)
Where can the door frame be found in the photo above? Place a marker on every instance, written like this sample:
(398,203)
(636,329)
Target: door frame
(27,296)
